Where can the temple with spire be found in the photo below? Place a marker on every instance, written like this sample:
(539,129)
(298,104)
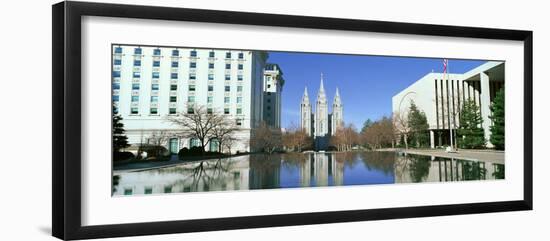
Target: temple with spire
(321,124)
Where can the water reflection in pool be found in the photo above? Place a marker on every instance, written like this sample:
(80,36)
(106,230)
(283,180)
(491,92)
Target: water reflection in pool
(302,170)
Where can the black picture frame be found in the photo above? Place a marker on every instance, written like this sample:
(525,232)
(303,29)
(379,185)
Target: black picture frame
(66,184)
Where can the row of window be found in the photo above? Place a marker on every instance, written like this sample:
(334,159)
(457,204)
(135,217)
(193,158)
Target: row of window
(136,86)
(175,64)
(176,53)
(173,111)
(191,99)
(192,76)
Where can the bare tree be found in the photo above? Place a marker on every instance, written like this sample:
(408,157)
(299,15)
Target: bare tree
(266,139)
(351,136)
(200,124)
(229,142)
(379,134)
(296,138)
(337,139)
(302,139)
(288,138)
(401,126)
(345,137)
(224,133)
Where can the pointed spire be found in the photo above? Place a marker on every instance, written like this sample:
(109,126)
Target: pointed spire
(337,100)
(321,96)
(322,88)
(305,97)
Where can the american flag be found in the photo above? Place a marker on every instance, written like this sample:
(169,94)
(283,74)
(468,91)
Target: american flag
(445,62)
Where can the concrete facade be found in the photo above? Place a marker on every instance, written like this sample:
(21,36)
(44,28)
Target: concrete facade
(273,87)
(151,83)
(441,97)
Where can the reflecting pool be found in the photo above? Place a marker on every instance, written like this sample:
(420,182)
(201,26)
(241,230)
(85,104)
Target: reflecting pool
(260,171)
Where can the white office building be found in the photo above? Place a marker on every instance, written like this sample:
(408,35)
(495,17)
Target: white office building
(442,96)
(151,83)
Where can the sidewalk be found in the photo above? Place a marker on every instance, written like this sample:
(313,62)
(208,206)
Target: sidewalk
(473,155)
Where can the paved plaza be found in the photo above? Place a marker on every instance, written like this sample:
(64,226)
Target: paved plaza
(474,155)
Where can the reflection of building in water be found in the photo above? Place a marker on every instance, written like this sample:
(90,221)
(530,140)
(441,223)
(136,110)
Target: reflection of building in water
(265,171)
(320,169)
(211,175)
(305,171)
(337,171)
(413,168)
(302,170)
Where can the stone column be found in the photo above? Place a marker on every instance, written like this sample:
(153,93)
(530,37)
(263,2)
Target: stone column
(432,139)
(485,106)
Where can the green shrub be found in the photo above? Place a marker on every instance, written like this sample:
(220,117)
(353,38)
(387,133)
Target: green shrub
(183,152)
(121,156)
(196,151)
(154,152)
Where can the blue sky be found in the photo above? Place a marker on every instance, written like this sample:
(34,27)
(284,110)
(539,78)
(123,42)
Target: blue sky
(366,83)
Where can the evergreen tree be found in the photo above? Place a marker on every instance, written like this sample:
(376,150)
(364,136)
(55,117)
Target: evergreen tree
(497,129)
(418,124)
(368,123)
(470,134)
(120,140)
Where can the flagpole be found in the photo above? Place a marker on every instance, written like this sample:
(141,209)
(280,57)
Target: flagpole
(451,124)
(445,74)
